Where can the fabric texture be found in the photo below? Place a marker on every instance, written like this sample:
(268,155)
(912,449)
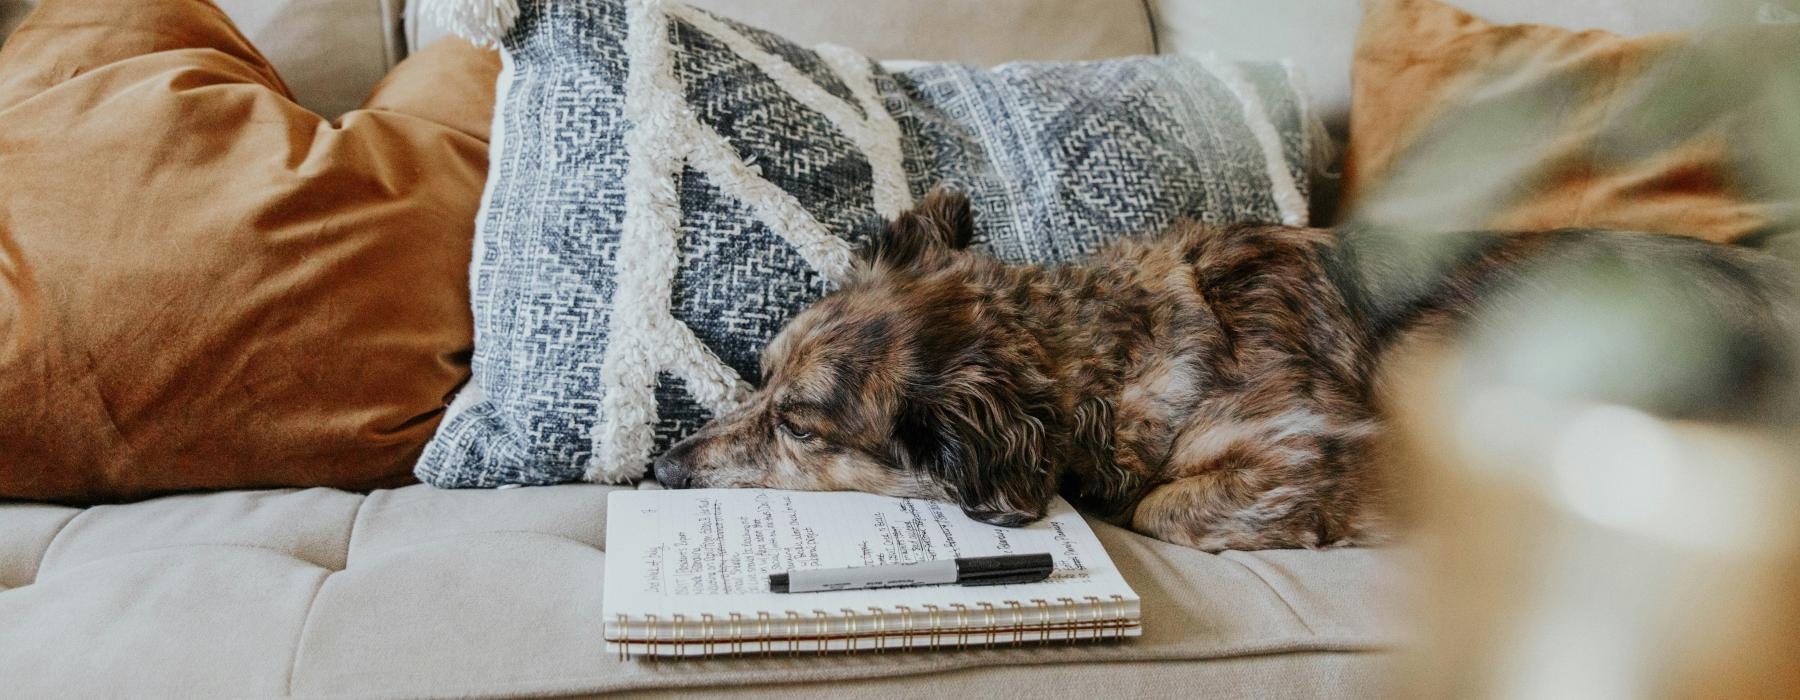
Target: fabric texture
(421,592)
(331,53)
(986,32)
(1544,127)
(203,285)
(669,187)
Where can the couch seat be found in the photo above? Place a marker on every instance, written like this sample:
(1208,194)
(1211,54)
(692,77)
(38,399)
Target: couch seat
(422,592)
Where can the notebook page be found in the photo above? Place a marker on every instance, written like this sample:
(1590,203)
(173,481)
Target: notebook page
(710,551)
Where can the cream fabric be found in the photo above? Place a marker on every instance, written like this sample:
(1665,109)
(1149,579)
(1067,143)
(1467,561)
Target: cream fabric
(976,31)
(332,51)
(423,592)
(329,52)
(1291,676)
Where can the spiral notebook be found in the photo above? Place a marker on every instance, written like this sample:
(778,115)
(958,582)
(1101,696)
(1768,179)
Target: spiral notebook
(687,574)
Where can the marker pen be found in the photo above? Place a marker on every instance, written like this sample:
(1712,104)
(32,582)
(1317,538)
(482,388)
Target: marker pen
(968,571)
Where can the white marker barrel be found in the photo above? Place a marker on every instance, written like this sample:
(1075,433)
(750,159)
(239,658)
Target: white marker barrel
(925,573)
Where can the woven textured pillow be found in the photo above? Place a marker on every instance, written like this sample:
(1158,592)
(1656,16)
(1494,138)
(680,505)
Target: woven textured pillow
(668,187)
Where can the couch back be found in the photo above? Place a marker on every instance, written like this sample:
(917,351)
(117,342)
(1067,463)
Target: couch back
(973,31)
(329,52)
(332,51)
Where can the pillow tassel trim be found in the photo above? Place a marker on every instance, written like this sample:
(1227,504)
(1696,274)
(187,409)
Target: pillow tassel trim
(483,22)
(645,339)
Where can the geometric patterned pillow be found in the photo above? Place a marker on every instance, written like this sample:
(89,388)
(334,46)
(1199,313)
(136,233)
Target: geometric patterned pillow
(667,187)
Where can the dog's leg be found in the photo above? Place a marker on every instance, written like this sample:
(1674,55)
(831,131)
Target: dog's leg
(1295,480)
(1228,509)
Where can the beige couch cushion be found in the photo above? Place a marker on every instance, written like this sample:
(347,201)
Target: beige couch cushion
(330,52)
(415,592)
(974,31)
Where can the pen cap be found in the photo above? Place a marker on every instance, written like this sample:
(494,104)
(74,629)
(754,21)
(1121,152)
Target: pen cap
(1010,567)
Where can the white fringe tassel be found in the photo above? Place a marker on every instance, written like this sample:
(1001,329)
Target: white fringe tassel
(482,22)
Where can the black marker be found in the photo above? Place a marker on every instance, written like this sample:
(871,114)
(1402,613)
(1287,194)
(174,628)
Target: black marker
(968,571)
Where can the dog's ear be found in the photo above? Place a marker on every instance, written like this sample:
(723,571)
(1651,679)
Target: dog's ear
(982,436)
(942,222)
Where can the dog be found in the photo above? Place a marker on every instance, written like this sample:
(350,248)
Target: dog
(1211,387)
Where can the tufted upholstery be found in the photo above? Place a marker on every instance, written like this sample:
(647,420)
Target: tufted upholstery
(418,591)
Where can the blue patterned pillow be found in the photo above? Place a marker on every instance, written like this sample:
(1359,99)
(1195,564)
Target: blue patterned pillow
(666,188)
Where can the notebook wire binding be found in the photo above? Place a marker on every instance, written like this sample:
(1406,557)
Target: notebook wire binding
(1032,615)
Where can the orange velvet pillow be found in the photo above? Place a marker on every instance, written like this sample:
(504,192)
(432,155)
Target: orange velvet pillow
(1456,122)
(204,285)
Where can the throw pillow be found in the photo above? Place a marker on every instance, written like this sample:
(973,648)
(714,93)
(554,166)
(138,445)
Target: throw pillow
(1459,123)
(204,285)
(669,187)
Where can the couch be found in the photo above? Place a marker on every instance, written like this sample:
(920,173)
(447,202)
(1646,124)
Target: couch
(415,592)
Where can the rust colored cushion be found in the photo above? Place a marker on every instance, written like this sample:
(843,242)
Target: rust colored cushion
(1456,122)
(204,285)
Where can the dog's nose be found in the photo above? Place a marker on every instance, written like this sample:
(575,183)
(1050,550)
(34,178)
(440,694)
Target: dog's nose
(672,473)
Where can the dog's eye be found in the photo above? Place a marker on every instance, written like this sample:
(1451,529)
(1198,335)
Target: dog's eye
(794,432)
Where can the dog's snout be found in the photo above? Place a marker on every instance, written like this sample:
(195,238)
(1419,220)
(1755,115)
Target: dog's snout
(671,468)
(671,473)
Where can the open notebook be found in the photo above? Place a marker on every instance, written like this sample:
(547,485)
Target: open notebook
(687,574)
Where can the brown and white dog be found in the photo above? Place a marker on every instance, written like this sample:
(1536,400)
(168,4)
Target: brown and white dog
(1209,387)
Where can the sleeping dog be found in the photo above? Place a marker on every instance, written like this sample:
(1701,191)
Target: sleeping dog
(1209,387)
